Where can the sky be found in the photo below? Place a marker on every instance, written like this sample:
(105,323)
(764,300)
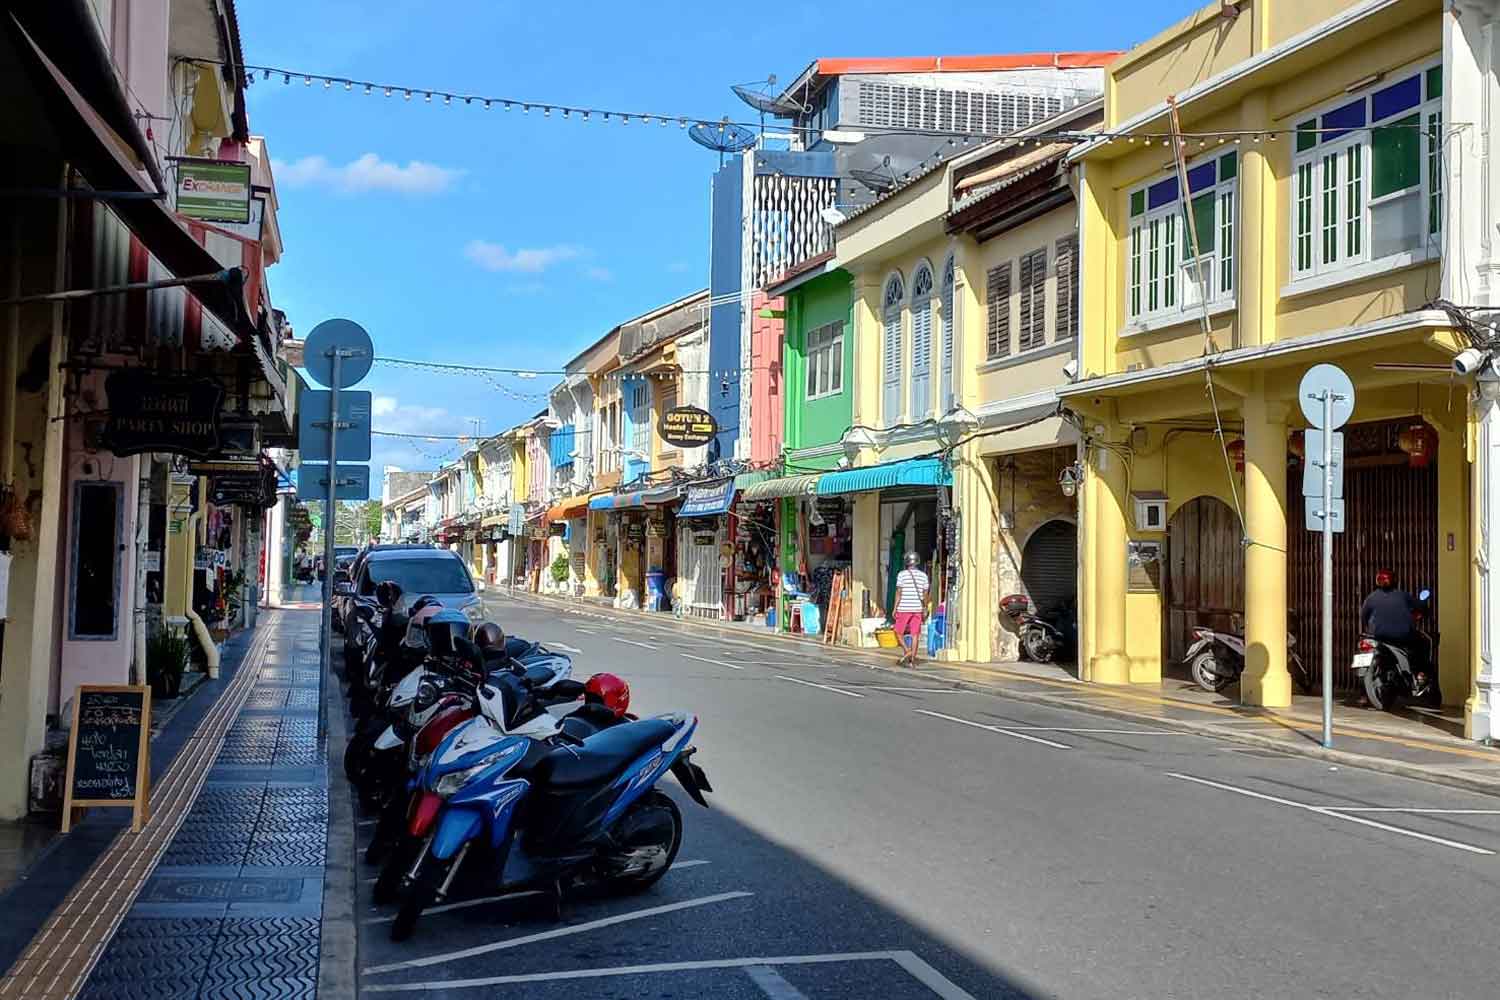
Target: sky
(459,235)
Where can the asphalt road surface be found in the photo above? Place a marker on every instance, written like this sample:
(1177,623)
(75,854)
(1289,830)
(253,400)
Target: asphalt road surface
(879,835)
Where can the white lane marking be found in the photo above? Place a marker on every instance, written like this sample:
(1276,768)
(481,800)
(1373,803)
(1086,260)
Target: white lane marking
(465,904)
(704,659)
(1417,811)
(580,628)
(992,729)
(1116,732)
(562,646)
(825,687)
(632,642)
(1325,811)
(771,983)
(909,690)
(940,985)
(516,942)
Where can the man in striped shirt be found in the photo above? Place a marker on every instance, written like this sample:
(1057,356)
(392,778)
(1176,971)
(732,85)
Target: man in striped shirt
(911,604)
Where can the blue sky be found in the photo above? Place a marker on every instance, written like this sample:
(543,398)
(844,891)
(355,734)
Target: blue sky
(495,238)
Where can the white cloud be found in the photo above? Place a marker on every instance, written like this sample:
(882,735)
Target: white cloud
(599,273)
(368,173)
(384,406)
(526,260)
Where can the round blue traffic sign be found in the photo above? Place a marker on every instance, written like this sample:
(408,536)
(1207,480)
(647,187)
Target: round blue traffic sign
(352,344)
(1326,381)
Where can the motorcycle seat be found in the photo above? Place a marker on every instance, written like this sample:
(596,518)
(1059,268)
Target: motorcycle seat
(603,756)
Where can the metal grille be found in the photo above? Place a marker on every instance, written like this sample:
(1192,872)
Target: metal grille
(1049,566)
(1390,521)
(894,105)
(785,224)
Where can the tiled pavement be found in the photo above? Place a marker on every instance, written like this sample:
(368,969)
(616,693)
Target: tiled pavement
(233,907)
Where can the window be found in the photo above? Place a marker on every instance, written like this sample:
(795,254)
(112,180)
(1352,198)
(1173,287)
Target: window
(1177,252)
(945,379)
(825,360)
(921,342)
(95,586)
(997,306)
(640,418)
(1367,176)
(1067,288)
(1033,332)
(895,294)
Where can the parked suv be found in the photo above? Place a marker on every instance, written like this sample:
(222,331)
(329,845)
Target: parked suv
(420,571)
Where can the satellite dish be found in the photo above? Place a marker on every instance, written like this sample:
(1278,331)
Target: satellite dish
(723,136)
(768,105)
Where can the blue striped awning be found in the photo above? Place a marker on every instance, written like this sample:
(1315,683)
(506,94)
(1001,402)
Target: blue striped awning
(912,472)
(636,498)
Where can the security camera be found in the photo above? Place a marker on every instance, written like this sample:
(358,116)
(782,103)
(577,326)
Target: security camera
(1470,361)
(1071,370)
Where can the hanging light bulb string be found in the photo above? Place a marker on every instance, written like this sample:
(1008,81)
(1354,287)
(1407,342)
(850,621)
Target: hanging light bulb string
(562,110)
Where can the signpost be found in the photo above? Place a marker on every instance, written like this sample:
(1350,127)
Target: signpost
(687,427)
(338,354)
(1327,399)
(213,190)
(352,432)
(109,751)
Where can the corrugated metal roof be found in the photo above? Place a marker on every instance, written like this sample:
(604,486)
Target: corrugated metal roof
(1003,176)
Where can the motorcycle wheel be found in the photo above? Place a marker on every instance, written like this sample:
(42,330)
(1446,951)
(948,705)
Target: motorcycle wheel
(397,864)
(1205,673)
(1038,646)
(1381,692)
(1301,676)
(389,830)
(653,806)
(419,896)
(356,754)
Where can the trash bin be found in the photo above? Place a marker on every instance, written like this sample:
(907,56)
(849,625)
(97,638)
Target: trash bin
(656,590)
(937,632)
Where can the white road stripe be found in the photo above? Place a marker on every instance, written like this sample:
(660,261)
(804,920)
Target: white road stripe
(562,646)
(1406,809)
(825,687)
(465,904)
(1325,811)
(1116,732)
(940,985)
(704,659)
(632,642)
(771,983)
(909,690)
(992,729)
(516,942)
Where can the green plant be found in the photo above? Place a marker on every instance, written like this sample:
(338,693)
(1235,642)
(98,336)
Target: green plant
(166,657)
(234,589)
(561,569)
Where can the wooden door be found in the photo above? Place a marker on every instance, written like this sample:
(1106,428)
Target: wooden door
(1205,578)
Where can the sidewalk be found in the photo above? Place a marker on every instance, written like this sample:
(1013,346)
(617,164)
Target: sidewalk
(1423,744)
(221,893)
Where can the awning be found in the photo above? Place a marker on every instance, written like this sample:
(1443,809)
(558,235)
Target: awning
(568,509)
(786,486)
(636,498)
(912,472)
(708,499)
(495,521)
(747,479)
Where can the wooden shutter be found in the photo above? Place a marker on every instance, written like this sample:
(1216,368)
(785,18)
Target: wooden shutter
(921,359)
(997,302)
(1067,287)
(1033,300)
(892,401)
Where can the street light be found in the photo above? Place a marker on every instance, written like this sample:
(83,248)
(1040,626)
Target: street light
(856,439)
(956,424)
(1070,479)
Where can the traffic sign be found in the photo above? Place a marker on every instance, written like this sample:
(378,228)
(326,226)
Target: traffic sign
(349,339)
(353,481)
(1330,380)
(1312,463)
(353,429)
(1313,508)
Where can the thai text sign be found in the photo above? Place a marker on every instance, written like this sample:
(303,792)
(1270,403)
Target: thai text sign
(151,411)
(213,190)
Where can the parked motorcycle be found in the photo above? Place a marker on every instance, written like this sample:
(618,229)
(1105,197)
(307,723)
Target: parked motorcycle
(1387,671)
(1217,659)
(499,799)
(1044,638)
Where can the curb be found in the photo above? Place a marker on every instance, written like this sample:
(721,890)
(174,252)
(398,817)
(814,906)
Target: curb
(338,945)
(1383,765)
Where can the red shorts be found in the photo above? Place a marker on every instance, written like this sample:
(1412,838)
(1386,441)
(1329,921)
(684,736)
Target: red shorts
(909,623)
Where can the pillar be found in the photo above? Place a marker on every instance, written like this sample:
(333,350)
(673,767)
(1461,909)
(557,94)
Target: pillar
(866,375)
(1265,681)
(975,600)
(1482,709)
(1259,231)
(866,562)
(1103,658)
(1452,586)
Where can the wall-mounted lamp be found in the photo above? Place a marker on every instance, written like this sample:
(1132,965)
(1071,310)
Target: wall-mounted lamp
(1070,479)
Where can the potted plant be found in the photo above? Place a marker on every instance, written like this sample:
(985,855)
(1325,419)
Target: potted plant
(561,570)
(166,658)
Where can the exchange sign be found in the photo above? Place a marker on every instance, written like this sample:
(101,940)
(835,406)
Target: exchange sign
(687,427)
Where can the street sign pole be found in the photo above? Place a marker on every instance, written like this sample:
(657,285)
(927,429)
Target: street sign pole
(1327,568)
(336,356)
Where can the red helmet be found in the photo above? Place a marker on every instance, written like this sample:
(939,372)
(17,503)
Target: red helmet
(1384,578)
(610,691)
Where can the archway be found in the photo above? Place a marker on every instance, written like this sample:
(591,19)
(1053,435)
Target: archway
(1049,566)
(1205,582)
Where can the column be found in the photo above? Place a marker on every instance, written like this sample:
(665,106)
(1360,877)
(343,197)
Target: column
(1259,227)
(1265,681)
(866,375)
(866,553)
(972,608)
(1482,709)
(1453,586)
(1103,564)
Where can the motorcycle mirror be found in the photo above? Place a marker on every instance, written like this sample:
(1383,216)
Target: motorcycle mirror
(1424,594)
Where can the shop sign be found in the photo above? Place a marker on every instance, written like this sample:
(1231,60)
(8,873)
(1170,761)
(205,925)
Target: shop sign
(635,530)
(213,190)
(704,538)
(151,411)
(687,427)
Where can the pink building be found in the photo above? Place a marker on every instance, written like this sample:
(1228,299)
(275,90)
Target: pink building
(765,379)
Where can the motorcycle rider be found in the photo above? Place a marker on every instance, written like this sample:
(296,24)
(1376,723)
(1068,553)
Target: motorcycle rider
(1387,616)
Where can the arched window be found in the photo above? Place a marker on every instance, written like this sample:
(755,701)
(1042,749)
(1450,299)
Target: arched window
(895,295)
(946,392)
(921,342)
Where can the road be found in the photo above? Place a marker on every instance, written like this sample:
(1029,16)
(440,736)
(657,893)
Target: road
(877,835)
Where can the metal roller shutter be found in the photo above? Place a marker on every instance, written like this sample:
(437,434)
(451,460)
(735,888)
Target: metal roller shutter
(1049,566)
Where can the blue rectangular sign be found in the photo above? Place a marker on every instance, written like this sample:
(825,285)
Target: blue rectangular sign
(312,481)
(312,425)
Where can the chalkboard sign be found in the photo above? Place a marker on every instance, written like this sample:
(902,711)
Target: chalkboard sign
(109,750)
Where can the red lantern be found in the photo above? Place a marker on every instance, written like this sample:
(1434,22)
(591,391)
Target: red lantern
(1236,452)
(1419,442)
(1296,445)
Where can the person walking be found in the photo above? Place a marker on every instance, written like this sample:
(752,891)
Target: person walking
(911,606)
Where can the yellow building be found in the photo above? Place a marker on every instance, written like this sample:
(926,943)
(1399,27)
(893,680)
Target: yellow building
(1311,229)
